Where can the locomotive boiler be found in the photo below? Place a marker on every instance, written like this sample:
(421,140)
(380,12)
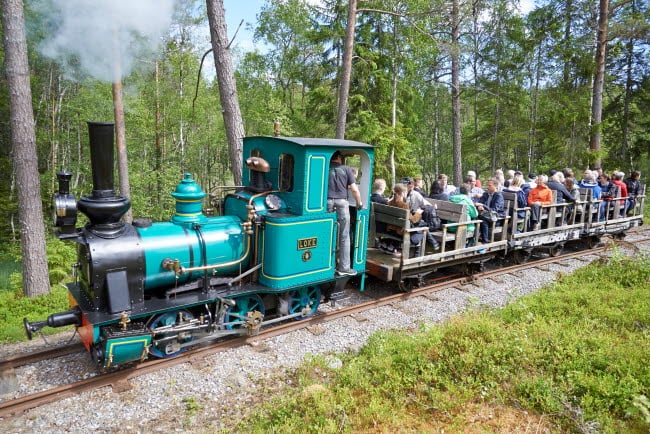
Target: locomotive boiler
(157,288)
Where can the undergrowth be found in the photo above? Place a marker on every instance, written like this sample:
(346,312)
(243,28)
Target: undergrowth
(14,306)
(571,357)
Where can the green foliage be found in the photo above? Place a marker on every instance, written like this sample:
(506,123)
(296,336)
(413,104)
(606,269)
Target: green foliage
(574,354)
(14,307)
(60,257)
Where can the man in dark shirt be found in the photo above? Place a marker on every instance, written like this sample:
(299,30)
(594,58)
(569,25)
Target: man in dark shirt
(562,195)
(491,200)
(342,178)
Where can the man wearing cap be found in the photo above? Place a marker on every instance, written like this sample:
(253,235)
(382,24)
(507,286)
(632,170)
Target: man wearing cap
(475,192)
(413,198)
(342,178)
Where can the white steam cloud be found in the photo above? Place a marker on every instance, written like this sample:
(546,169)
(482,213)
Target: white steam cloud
(89,35)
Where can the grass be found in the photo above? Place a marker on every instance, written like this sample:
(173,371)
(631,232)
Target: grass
(571,358)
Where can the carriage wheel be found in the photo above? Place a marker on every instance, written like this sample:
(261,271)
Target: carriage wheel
(159,345)
(521,256)
(556,250)
(593,241)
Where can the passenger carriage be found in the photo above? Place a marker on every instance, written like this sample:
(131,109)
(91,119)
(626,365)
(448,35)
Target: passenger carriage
(558,223)
(458,239)
(617,219)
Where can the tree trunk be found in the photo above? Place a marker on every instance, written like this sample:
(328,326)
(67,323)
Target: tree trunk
(227,86)
(344,86)
(629,84)
(158,153)
(599,79)
(120,145)
(455,93)
(23,138)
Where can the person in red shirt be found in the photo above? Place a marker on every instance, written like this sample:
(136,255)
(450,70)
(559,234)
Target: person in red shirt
(617,179)
(538,196)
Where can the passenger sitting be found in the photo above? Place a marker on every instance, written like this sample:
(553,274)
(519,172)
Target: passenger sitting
(608,191)
(463,198)
(447,188)
(633,190)
(415,217)
(437,191)
(617,179)
(572,187)
(522,199)
(555,183)
(418,185)
(378,188)
(538,196)
(475,192)
(589,181)
(490,203)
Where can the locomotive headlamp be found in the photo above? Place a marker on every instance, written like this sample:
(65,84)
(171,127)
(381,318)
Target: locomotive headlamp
(65,206)
(273,202)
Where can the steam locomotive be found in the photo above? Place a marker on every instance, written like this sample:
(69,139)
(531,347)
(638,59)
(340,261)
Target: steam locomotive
(269,255)
(156,289)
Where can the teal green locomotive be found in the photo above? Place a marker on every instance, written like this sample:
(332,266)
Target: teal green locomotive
(262,253)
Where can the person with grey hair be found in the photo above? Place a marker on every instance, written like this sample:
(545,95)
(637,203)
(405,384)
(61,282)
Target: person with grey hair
(475,176)
(475,191)
(510,174)
(563,195)
(589,181)
(378,188)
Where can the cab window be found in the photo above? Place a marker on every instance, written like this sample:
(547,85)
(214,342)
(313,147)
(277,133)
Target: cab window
(286,172)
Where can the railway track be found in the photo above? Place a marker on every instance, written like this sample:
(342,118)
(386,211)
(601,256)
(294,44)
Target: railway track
(119,380)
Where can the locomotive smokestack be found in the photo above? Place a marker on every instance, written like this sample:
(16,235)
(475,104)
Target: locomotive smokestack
(103,207)
(101,158)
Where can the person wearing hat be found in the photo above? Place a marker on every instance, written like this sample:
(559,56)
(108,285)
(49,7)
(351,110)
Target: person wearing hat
(414,199)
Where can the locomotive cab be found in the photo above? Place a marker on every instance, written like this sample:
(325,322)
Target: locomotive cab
(296,237)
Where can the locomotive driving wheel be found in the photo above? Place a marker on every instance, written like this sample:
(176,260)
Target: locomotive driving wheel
(306,300)
(236,315)
(163,341)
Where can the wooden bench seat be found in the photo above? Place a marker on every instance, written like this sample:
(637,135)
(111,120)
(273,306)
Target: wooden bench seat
(453,234)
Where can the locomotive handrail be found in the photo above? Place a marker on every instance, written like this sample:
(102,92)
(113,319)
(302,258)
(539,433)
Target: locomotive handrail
(173,264)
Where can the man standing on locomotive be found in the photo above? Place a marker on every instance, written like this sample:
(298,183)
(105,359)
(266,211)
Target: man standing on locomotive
(342,178)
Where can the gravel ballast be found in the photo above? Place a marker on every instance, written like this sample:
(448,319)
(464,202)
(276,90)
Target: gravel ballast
(224,386)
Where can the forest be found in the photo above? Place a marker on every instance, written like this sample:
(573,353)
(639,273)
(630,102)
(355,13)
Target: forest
(437,86)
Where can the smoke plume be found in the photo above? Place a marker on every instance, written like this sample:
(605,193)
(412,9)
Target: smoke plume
(104,38)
